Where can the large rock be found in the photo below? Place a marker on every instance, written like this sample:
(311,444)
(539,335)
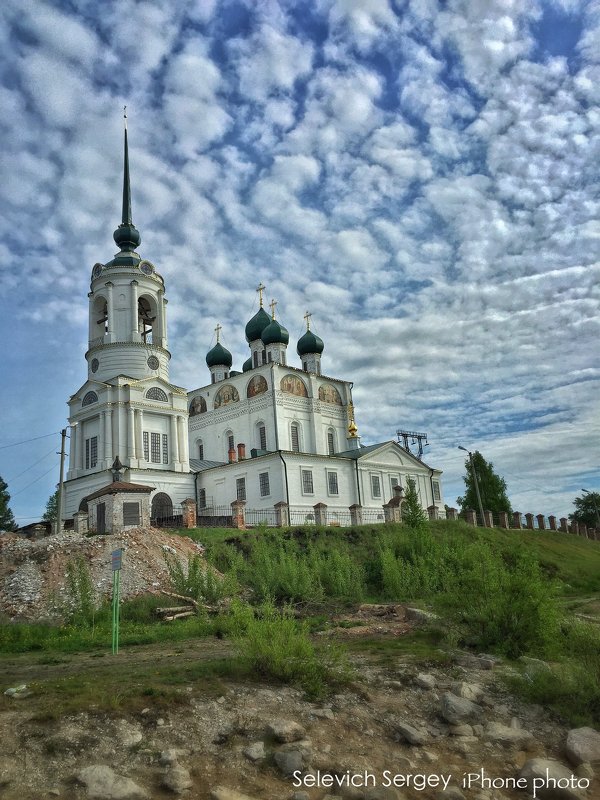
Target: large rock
(425,681)
(285,730)
(415,736)
(508,736)
(177,779)
(103,783)
(558,781)
(289,761)
(470,691)
(583,746)
(457,710)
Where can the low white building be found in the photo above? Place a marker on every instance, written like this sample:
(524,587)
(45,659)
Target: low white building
(272,434)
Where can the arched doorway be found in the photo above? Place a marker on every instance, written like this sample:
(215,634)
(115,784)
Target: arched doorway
(162,510)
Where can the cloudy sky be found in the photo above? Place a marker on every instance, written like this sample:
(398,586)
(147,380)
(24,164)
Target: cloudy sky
(421,175)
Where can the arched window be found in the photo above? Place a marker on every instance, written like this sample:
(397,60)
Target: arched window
(229,443)
(162,508)
(330,441)
(99,318)
(146,319)
(295,437)
(261,435)
(90,397)
(155,393)
(200,446)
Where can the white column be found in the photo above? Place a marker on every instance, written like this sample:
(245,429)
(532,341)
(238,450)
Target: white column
(130,433)
(110,310)
(100,438)
(174,442)
(72,464)
(139,423)
(182,439)
(108,455)
(163,322)
(92,322)
(80,446)
(135,333)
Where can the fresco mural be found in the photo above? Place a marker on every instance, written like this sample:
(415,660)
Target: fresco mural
(329,394)
(293,385)
(257,385)
(197,406)
(225,395)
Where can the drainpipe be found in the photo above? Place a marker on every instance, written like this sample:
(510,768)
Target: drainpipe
(287,489)
(357,481)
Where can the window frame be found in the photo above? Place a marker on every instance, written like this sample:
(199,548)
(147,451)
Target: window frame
(240,488)
(376,479)
(264,484)
(304,472)
(331,473)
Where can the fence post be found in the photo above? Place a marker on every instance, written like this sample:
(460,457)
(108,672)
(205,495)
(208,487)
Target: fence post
(489,519)
(81,522)
(320,514)
(529,521)
(517,522)
(541,520)
(432,511)
(471,516)
(552,522)
(188,513)
(450,513)
(564,525)
(574,528)
(237,513)
(356,514)
(503,519)
(282,514)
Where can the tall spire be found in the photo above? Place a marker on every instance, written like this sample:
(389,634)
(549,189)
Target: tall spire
(127,235)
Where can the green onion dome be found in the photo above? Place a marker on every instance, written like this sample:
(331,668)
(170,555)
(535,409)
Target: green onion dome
(247,365)
(309,343)
(257,325)
(275,333)
(218,357)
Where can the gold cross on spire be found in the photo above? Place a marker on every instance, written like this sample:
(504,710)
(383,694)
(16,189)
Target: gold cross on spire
(272,305)
(260,289)
(218,330)
(307,317)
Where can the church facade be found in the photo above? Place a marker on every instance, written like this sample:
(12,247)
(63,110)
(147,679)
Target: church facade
(270,434)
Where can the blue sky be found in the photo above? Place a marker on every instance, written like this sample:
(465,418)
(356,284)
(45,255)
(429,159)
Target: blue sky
(422,176)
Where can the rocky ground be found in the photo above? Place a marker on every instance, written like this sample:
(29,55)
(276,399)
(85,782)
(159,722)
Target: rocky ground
(429,727)
(32,573)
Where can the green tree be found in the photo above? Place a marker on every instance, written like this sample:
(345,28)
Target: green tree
(51,511)
(492,487)
(7,521)
(587,509)
(412,512)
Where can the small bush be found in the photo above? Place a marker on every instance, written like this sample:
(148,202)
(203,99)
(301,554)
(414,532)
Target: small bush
(82,600)
(275,645)
(199,581)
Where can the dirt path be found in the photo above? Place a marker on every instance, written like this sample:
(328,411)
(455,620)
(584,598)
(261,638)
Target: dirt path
(36,668)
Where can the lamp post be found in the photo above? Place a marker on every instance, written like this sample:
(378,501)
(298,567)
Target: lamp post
(587,491)
(475,481)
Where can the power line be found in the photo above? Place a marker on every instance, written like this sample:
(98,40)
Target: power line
(35,463)
(33,481)
(26,441)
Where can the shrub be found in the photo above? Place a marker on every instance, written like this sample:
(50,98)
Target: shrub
(199,581)
(82,600)
(275,645)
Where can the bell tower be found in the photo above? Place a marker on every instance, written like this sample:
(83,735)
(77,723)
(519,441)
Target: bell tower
(127,307)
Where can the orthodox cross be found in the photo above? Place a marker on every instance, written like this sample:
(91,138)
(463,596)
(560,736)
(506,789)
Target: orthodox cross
(218,330)
(307,317)
(260,289)
(272,305)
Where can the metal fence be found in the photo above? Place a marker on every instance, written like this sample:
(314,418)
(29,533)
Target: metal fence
(168,518)
(264,516)
(214,517)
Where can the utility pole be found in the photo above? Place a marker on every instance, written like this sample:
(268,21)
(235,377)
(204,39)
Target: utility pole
(59,503)
(476,482)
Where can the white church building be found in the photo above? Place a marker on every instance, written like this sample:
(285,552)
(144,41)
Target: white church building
(279,438)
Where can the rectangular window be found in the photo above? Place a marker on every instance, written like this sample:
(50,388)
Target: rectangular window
(375,486)
(295,439)
(91,452)
(330,443)
(332,483)
(263,483)
(155,448)
(255,358)
(146,438)
(131,513)
(307,482)
(264,356)
(202,498)
(200,451)
(262,435)
(240,488)
(437,495)
(231,442)
(165,448)
(394,481)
